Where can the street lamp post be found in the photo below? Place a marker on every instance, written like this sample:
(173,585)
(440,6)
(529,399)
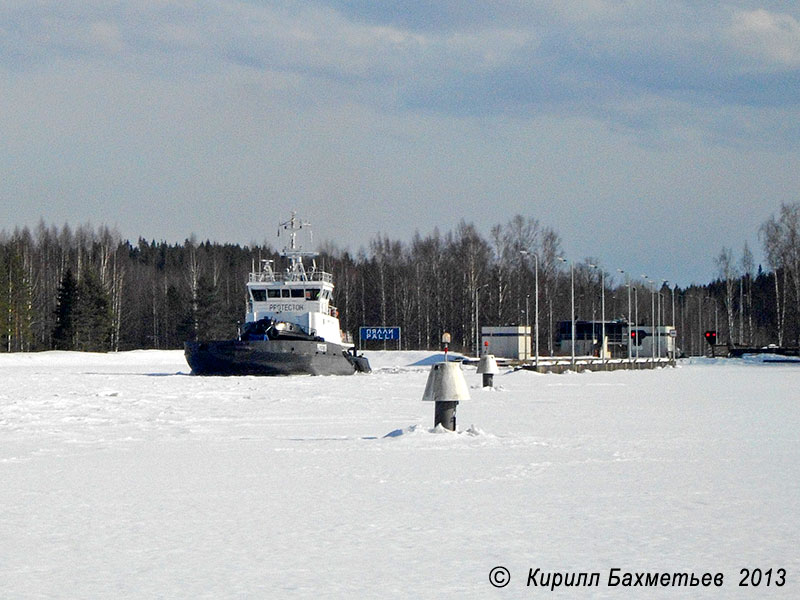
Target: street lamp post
(658,321)
(602,312)
(636,305)
(527,325)
(662,312)
(651,285)
(628,285)
(477,328)
(674,324)
(665,282)
(535,303)
(701,350)
(654,316)
(572,302)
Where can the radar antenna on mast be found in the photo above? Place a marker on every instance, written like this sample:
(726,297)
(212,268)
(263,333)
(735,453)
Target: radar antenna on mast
(295,253)
(294,225)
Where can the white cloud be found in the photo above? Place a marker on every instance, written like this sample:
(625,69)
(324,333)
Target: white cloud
(771,38)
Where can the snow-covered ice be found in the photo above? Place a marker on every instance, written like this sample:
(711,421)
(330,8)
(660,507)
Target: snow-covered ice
(124,476)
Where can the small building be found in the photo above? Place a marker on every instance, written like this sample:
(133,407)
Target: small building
(589,339)
(507,342)
(661,344)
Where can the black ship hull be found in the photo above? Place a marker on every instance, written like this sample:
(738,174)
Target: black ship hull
(272,357)
(734,352)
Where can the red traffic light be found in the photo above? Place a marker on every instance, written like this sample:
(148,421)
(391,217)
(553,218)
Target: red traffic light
(711,337)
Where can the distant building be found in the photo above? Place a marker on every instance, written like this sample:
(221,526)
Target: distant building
(588,339)
(645,343)
(507,342)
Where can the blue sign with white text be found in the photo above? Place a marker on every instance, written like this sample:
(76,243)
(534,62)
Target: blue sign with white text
(380,333)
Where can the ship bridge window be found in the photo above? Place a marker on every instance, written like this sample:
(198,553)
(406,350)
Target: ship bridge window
(297,292)
(312,293)
(326,294)
(273,293)
(259,295)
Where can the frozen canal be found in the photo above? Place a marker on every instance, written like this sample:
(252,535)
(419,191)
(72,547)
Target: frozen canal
(123,476)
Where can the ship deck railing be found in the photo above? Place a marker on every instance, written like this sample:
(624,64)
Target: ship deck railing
(272,277)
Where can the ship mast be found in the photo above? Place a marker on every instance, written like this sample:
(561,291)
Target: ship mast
(294,225)
(294,253)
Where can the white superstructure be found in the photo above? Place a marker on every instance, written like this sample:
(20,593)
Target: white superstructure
(296,294)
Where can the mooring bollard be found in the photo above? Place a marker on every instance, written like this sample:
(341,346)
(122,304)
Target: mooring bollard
(446,387)
(488,368)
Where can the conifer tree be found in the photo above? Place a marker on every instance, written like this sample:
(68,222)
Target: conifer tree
(179,322)
(211,311)
(64,330)
(93,315)
(6,310)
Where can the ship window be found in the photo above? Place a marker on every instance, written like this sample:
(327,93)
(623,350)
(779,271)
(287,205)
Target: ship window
(312,294)
(259,295)
(284,293)
(297,292)
(326,294)
(274,293)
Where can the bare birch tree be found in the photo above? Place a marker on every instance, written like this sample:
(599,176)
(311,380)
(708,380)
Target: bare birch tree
(747,265)
(781,238)
(728,274)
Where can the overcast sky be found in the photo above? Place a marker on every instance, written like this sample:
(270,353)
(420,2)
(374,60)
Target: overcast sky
(647,134)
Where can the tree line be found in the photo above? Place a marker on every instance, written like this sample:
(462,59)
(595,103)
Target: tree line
(88,289)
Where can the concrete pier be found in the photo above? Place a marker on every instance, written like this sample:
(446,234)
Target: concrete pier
(562,365)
